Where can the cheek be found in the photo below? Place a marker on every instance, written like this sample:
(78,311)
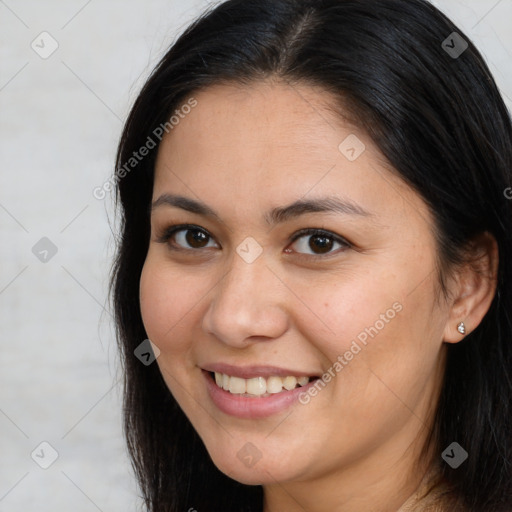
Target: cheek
(165,302)
(380,357)
(376,325)
(167,307)
(358,308)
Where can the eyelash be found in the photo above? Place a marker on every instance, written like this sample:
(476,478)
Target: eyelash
(169,232)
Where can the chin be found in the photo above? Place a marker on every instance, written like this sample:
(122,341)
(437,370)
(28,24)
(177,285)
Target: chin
(243,469)
(250,476)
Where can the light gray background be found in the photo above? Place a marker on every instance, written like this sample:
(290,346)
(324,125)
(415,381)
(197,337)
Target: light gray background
(60,119)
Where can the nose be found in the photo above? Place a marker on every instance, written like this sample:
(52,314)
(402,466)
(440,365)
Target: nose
(247,305)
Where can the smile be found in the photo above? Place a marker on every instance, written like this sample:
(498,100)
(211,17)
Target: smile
(258,386)
(253,395)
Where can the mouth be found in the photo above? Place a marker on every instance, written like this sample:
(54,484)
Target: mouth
(258,387)
(259,393)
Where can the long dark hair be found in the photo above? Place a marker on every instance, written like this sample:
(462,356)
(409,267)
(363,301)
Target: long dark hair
(432,107)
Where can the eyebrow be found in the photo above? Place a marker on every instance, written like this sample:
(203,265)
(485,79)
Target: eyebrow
(276,215)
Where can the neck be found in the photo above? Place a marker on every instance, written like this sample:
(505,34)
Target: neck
(382,482)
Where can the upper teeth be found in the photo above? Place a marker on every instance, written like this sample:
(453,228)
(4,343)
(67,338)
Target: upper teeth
(258,386)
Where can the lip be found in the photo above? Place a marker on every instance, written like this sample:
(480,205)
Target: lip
(250,372)
(252,407)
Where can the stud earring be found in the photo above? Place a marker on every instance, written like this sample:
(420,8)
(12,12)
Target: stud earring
(461,328)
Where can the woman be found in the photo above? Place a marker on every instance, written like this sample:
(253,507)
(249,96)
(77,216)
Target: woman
(316,239)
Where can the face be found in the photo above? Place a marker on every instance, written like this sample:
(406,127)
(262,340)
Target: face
(289,264)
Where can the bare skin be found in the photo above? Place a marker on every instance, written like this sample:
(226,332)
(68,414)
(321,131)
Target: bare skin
(355,445)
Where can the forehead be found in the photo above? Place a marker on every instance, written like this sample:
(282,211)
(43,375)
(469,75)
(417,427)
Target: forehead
(275,114)
(272,143)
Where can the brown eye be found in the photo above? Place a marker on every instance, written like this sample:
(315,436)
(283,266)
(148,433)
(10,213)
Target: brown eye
(314,242)
(187,238)
(321,244)
(196,239)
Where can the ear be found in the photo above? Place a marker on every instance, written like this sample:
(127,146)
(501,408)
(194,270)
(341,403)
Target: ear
(473,288)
